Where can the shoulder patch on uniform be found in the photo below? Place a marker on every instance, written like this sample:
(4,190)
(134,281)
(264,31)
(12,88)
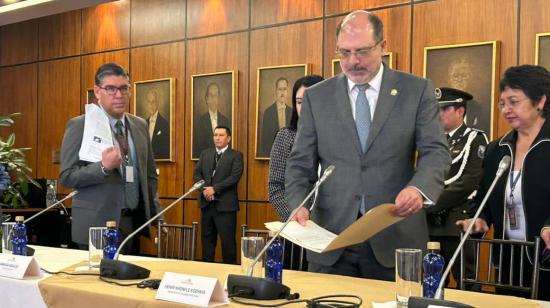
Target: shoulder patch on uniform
(481,151)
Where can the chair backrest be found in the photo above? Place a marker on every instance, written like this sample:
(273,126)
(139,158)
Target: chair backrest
(293,255)
(503,259)
(179,241)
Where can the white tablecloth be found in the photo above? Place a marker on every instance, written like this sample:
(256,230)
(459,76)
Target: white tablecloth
(25,293)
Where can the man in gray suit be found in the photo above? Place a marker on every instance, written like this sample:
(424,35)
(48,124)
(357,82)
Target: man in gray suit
(123,185)
(368,122)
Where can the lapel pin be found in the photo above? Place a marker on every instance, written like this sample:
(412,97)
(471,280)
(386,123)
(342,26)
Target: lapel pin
(393,92)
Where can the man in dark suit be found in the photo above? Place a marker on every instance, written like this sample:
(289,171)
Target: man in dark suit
(467,146)
(204,127)
(221,169)
(275,117)
(123,185)
(159,127)
(368,122)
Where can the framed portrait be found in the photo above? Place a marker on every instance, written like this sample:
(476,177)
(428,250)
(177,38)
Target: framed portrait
(213,101)
(273,103)
(542,50)
(90,96)
(388,58)
(154,102)
(472,68)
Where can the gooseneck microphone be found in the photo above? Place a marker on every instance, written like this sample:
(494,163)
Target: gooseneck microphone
(72,194)
(123,270)
(417,302)
(261,288)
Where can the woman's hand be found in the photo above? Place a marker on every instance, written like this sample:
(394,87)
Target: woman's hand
(479,226)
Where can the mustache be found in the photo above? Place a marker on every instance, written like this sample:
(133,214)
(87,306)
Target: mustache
(357,68)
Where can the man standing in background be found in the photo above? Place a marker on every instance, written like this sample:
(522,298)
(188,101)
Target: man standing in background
(123,185)
(221,169)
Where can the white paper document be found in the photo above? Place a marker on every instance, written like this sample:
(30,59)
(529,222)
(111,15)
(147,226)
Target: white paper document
(191,289)
(315,238)
(19,267)
(97,134)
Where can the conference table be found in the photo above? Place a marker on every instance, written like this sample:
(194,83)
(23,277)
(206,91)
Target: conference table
(63,290)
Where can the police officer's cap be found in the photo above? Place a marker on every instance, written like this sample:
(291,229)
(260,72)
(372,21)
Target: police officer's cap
(452,97)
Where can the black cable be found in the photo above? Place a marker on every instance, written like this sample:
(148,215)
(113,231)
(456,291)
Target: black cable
(327,301)
(118,283)
(67,273)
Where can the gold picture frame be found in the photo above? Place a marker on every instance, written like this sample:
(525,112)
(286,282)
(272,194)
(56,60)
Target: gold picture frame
(542,50)
(204,95)
(157,97)
(388,58)
(471,67)
(274,84)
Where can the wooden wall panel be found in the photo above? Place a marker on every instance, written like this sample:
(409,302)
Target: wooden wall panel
(91,63)
(106,26)
(18,86)
(292,44)
(533,20)
(18,42)
(207,17)
(164,61)
(257,213)
(280,11)
(168,23)
(333,7)
(172,216)
(493,20)
(230,54)
(58,101)
(397,30)
(59,35)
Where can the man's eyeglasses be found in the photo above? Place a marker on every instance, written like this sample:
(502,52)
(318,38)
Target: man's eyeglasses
(359,53)
(111,90)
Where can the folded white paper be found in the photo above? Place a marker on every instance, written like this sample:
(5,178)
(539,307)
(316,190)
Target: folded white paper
(315,238)
(97,134)
(191,289)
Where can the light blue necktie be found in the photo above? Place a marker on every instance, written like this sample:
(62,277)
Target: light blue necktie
(362,115)
(362,122)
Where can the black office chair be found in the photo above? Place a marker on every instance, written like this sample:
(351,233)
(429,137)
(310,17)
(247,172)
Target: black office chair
(293,260)
(505,276)
(179,242)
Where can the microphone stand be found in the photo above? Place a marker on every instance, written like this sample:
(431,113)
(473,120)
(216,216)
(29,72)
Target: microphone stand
(261,288)
(123,270)
(72,194)
(30,250)
(417,302)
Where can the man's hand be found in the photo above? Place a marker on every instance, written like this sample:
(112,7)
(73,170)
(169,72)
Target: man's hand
(302,216)
(545,236)
(408,201)
(209,193)
(110,158)
(479,226)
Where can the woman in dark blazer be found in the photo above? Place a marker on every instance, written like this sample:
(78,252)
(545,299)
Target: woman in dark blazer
(519,206)
(282,147)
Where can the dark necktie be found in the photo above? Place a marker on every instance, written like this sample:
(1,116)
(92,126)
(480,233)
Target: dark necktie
(120,138)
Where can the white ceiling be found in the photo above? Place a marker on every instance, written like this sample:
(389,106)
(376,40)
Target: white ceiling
(46,9)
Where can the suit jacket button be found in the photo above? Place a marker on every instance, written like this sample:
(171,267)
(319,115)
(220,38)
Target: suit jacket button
(464,212)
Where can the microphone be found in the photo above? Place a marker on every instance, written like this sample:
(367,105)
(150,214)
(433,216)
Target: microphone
(72,194)
(30,250)
(421,302)
(123,270)
(262,288)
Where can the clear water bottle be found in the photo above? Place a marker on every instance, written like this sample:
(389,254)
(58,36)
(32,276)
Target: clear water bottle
(111,238)
(274,261)
(19,239)
(433,265)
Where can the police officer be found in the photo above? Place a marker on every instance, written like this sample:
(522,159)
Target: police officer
(467,146)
